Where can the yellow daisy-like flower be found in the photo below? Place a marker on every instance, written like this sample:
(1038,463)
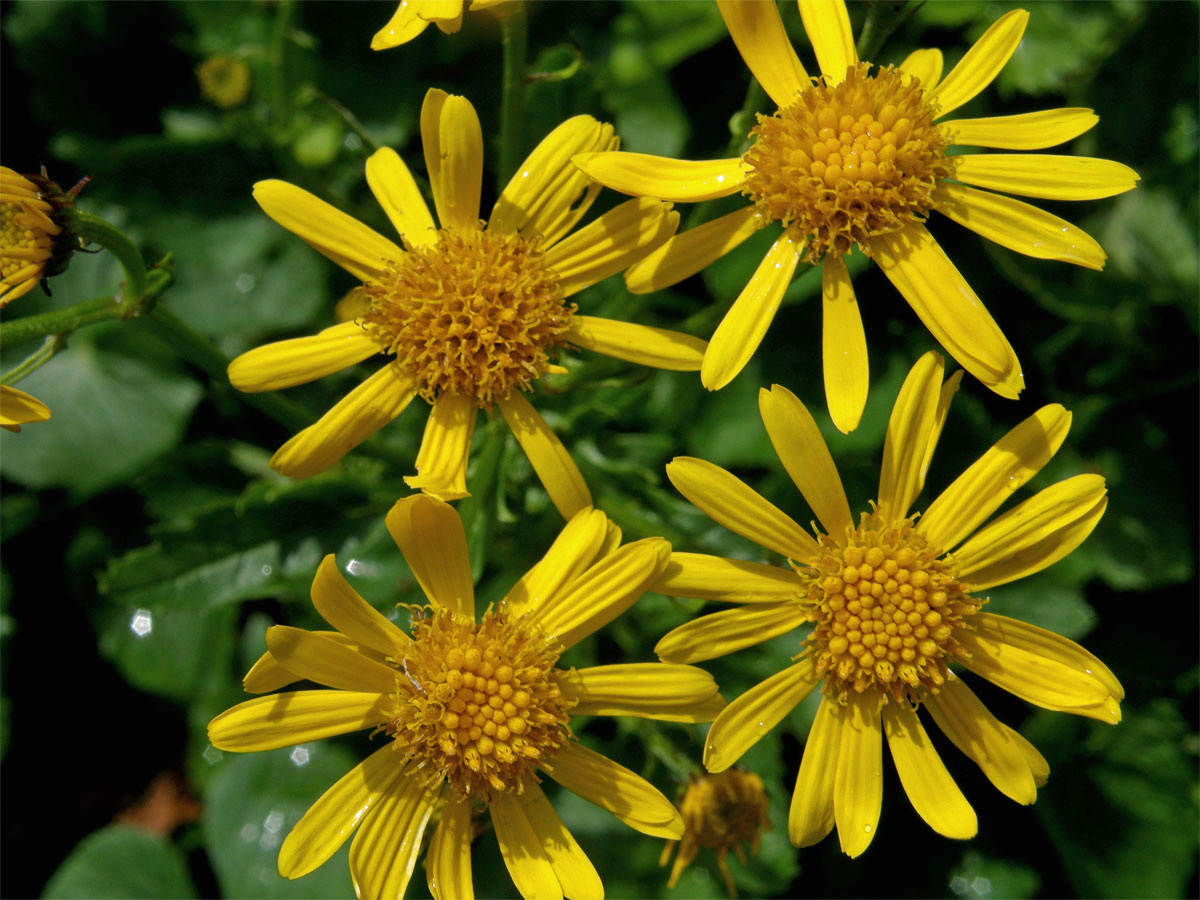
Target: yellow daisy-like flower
(224,80)
(471,709)
(857,158)
(469,313)
(414,16)
(27,233)
(894,601)
(721,811)
(18,408)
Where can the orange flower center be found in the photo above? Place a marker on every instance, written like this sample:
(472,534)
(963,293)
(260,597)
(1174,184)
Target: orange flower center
(476,313)
(886,609)
(850,161)
(27,230)
(479,704)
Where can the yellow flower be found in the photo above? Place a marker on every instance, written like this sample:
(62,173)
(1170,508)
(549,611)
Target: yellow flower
(721,811)
(469,312)
(27,235)
(224,80)
(856,159)
(18,408)
(414,16)
(894,602)
(471,710)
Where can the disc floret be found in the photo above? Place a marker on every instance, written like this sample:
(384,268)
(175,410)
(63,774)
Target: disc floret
(849,161)
(478,704)
(474,313)
(887,607)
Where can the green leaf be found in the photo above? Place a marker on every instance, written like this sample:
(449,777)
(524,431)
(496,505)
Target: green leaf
(984,876)
(121,862)
(113,411)
(252,801)
(1118,797)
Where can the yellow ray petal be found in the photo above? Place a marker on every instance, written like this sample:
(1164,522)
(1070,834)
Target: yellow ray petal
(925,65)
(981,63)
(913,418)
(1045,175)
(843,347)
(550,460)
(384,852)
(949,389)
(398,195)
(1019,226)
(577,546)
(939,295)
(687,253)
(524,855)
(803,452)
(1038,767)
(984,739)
(647,690)
(351,421)
(404,25)
(453,144)
(335,816)
(448,860)
(1027,131)
(352,245)
(810,816)
(929,787)
(1047,644)
(828,27)
(757,30)
(641,344)
(548,194)
(729,630)
(611,786)
(268,674)
(748,718)
(994,477)
(443,13)
(1040,680)
(430,535)
(327,662)
(611,243)
(603,592)
(729,501)
(445,448)
(707,577)
(18,408)
(858,781)
(1034,535)
(284,364)
(742,329)
(675,180)
(281,720)
(342,607)
(575,872)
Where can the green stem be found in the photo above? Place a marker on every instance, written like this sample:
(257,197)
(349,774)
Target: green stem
(883,17)
(94,230)
(60,321)
(348,117)
(279,37)
(514,32)
(43,354)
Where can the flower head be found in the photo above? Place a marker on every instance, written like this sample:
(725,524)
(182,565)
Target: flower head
(18,408)
(721,811)
(470,710)
(858,158)
(224,80)
(34,243)
(896,607)
(414,16)
(470,314)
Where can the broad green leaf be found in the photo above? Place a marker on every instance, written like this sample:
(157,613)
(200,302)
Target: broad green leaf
(122,863)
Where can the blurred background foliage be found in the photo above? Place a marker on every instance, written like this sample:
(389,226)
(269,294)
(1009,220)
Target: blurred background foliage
(147,546)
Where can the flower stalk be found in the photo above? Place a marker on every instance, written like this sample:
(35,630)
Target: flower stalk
(513,32)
